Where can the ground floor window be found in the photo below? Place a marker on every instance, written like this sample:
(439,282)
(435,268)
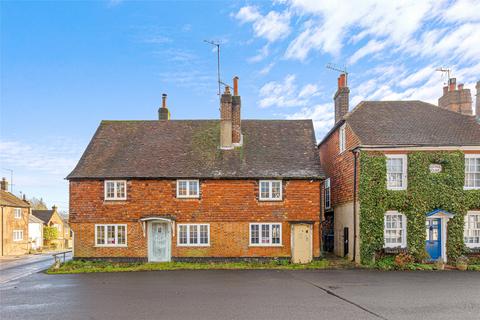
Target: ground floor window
(17,235)
(111,235)
(395,230)
(193,234)
(265,234)
(472,229)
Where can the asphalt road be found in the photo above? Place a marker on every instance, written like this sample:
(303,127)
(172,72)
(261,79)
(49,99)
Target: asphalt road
(262,294)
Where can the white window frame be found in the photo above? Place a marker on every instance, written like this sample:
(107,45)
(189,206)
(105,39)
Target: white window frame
(17,213)
(471,245)
(105,227)
(188,195)
(342,139)
(471,156)
(404,230)
(17,235)
(115,188)
(188,244)
(328,195)
(269,198)
(404,170)
(259,244)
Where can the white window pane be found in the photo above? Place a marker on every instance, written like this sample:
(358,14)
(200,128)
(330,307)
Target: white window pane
(254,233)
(265,234)
(182,234)
(264,190)
(204,234)
(100,235)
(193,234)
(276,234)
(121,189)
(110,234)
(276,189)
(110,189)
(121,234)
(193,188)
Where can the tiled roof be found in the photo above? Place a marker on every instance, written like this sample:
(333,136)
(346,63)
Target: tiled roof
(412,123)
(10,200)
(190,149)
(33,219)
(43,215)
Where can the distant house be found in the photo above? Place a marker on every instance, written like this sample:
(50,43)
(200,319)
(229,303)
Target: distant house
(14,222)
(404,176)
(52,218)
(164,189)
(35,232)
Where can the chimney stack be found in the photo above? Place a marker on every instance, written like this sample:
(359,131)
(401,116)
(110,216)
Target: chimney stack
(54,208)
(457,99)
(341,98)
(226,120)
(477,104)
(163,113)
(236,116)
(4,184)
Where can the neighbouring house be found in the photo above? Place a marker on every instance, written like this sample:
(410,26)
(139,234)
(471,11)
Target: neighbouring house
(35,232)
(166,189)
(52,218)
(14,222)
(404,176)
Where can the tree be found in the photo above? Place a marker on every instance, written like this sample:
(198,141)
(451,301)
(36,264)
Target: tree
(38,204)
(49,234)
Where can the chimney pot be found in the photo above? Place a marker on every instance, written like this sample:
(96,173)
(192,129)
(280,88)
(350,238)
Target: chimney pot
(460,86)
(163,112)
(164,100)
(235,86)
(342,81)
(452,84)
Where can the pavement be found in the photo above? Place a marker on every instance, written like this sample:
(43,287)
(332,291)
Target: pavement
(16,267)
(244,294)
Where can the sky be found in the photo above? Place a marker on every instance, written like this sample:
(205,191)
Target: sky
(67,65)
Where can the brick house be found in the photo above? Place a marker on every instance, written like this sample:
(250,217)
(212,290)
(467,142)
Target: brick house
(14,222)
(166,189)
(427,156)
(52,218)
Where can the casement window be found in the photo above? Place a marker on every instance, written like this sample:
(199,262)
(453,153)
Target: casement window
(265,234)
(342,142)
(17,213)
(395,230)
(111,235)
(115,190)
(472,171)
(17,235)
(271,190)
(472,229)
(397,172)
(188,189)
(193,234)
(327,194)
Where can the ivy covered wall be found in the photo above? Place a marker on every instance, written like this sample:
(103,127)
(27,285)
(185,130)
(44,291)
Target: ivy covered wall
(425,192)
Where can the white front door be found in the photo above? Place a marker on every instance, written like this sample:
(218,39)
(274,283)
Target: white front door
(159,243)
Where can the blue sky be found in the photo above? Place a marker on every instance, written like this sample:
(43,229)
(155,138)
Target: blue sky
(65,66)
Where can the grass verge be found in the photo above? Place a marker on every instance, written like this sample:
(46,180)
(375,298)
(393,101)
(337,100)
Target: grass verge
(80,266)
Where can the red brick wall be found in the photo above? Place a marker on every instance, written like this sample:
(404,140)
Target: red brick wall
(339,167)
(228,205)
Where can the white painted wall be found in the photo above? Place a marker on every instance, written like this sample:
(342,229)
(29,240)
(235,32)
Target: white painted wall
(35,233)
(344,218)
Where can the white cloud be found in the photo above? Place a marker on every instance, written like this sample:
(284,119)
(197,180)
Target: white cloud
(266,70)
(286,93)
(463,10)
(262,54)
(272,26)
(371,47)
(321,114)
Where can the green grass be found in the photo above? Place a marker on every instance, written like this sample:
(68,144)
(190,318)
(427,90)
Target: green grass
(79,266)
(474,267)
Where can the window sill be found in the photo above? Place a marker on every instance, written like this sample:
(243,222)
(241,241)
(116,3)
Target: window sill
(188,197)
(114,201)
(471,188)
(110,246)
(193,245)
(266,245)
(474,246)
(270,200)
(396,189)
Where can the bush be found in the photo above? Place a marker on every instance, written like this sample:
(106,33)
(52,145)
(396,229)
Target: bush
(403,260)
(50,233)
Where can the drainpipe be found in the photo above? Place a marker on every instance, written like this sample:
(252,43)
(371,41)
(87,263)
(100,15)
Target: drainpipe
(356,153)
(3,231)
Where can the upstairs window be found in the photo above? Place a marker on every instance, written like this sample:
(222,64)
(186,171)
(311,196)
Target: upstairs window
(188,189)
(17,213)
(397,172)
(115,190)
(472,229)
(342,144)
(472,171)
(265,234)
(193,234)
(111,235)
(327,194)
(271,190)
(395,230)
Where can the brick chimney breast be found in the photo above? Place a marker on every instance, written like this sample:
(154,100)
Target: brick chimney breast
(236,115)
(163,112)
(226,120)
(457,99)
(341,98)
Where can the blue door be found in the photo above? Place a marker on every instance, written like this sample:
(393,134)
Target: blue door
(434,238)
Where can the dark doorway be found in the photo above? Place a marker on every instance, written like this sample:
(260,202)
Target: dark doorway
(345,242)
(328,232)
